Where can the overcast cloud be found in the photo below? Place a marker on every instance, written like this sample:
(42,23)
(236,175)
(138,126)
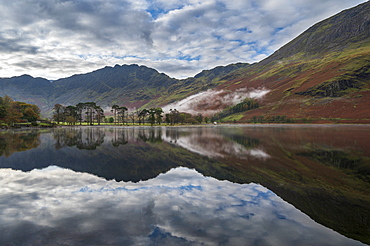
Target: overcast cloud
(58,38)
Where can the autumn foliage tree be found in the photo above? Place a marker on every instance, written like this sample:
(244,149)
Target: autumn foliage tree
(12,112)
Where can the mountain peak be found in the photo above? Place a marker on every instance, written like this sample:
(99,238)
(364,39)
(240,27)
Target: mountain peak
(333,34)
(24,76)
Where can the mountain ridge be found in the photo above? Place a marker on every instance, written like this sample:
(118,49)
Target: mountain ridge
(130,85)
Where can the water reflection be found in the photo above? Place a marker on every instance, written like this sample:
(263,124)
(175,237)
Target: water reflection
(88,138)
(15,141)
(57,206)
(323,171)
(211,143)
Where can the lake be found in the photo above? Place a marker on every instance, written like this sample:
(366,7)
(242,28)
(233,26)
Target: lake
(204,185)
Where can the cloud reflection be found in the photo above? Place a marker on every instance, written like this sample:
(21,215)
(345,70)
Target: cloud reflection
(181,207)
(212,144)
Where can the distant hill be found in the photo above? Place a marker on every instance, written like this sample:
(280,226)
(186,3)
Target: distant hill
(128,85)
(323,75)
(27,89)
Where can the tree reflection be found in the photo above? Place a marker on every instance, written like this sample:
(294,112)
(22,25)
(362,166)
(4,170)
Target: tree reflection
(83,138)
(152,135)
(67,137)
(206,140)
(172,135)
(119,137)
(15,141)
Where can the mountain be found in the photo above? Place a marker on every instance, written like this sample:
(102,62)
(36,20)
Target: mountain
(133,86)
(322,76)
(28,89)
(128,85)
(335,34)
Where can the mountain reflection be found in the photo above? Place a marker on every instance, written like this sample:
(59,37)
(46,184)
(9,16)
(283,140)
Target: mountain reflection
(56,206)
(321,170)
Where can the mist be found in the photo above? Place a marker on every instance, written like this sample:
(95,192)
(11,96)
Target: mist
(213,101)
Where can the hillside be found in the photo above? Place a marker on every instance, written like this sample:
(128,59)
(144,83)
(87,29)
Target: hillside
(323,75)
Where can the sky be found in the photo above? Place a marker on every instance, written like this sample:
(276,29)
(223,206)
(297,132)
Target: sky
(58,38)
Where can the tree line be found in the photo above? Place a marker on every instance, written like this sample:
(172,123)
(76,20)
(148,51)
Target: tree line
(87,112)
(90,113)
(13,112)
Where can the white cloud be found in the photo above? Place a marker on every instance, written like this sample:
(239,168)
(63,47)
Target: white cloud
(53,38)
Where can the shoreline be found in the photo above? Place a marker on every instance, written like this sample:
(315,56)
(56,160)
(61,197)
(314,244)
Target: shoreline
(257,125)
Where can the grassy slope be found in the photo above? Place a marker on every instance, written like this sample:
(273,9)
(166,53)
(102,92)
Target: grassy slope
(302,88)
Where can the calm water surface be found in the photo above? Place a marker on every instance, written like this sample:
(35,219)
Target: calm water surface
(211,185)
